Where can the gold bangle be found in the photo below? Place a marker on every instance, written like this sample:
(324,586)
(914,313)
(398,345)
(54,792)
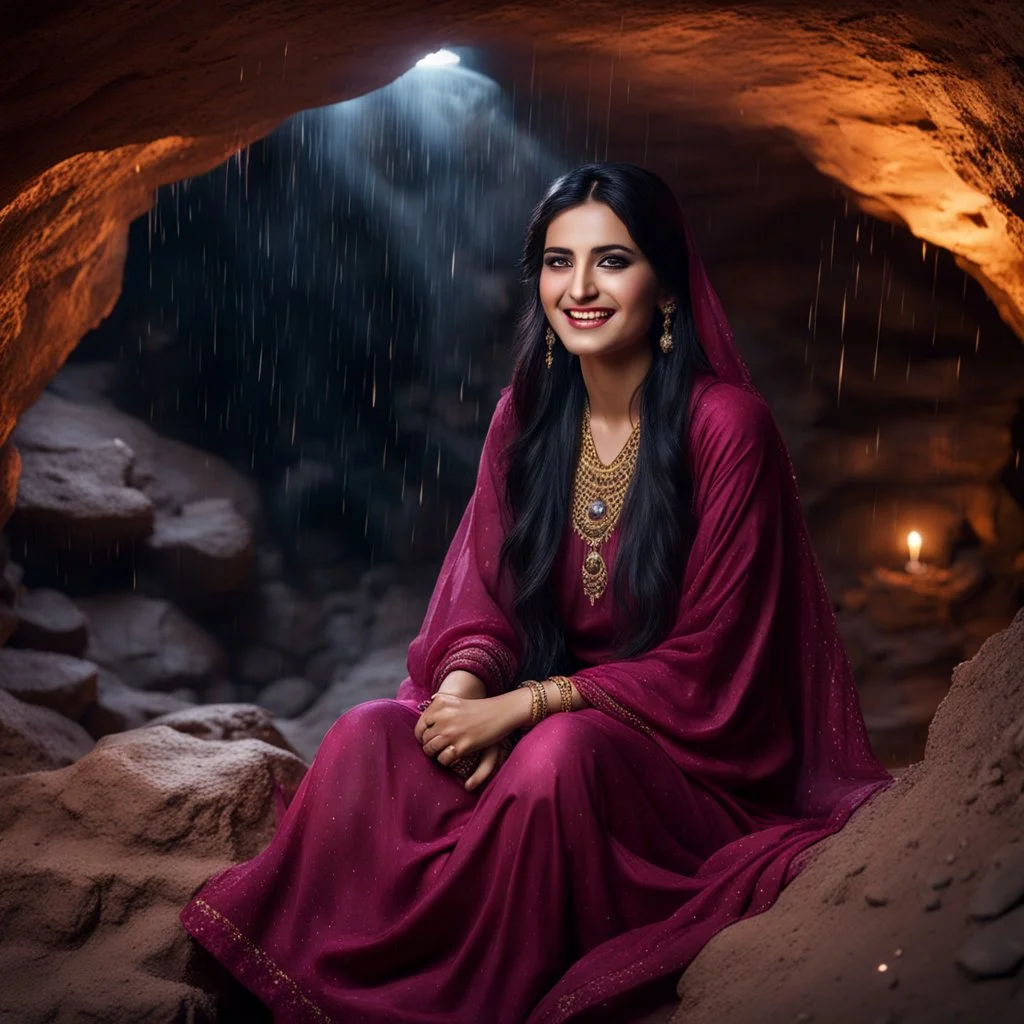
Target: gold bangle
(542,693)
(564,684)
(535,701)
(538,701)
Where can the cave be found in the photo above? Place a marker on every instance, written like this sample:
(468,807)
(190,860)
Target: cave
(257,296)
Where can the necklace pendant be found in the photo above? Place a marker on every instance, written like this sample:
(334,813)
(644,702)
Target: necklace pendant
(595,575)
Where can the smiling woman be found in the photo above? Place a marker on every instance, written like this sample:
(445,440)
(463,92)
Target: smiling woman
(654,756)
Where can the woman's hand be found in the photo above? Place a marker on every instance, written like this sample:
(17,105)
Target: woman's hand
(452,726)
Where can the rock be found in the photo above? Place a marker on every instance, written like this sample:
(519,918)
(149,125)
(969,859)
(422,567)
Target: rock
(915,449)
(343,601)
(269,563)
(10,581)
(98,859)
(8,622)
(346,635)
(995,949)
(90,383)
(898,600)
(57,681)
(119,707)
(36,739)
(50,621)
(998,799)
(1003,886)
(287,620)
(900,703)
(346,632)
(287,697)
(262,665)
(398,616)
(325,667)
(204,551)
(79,501)
(225,722)
(901,835)
(875,896)
(326,579)
(221,691)
(845,524)
(169,473)
(940,880)
(149,643)
(376,580)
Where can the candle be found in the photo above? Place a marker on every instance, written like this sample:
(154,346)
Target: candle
(914,547)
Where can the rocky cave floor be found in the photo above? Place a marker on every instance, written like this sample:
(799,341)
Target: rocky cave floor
(141,752)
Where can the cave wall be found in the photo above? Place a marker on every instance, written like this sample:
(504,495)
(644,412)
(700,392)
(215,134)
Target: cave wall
(916,111)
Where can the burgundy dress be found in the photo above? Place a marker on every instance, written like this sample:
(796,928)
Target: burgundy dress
(588,871)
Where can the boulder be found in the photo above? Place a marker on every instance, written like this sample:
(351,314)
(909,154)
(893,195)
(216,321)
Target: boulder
(119,707)
(36,739)
(169,473)
(287,697)
(203,552)
(57,681)
(287,620)
(79,500)
(880,913)
(225,722)
(398,615)
(98,859)
(50,621)
(149,643)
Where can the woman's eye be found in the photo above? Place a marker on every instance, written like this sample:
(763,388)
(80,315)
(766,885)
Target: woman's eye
(617,262)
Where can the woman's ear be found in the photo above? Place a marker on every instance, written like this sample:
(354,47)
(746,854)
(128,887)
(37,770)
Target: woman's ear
(664,298)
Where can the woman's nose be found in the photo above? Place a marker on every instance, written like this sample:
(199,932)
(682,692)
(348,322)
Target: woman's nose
(582,286)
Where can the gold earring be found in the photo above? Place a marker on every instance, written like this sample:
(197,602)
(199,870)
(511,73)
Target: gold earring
(549,337)
(666,334)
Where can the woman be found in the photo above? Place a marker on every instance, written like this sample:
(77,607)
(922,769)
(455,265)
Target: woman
(628,711)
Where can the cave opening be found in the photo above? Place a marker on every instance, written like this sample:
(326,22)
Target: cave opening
(327,316)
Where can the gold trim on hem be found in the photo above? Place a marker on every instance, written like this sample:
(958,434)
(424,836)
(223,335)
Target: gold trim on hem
(263,958)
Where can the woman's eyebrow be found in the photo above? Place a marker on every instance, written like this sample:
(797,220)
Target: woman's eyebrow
(597,249)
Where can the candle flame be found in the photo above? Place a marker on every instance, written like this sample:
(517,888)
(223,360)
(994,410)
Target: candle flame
(914,545)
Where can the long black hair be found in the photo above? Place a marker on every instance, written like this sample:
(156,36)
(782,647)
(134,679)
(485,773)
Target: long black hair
(656,521)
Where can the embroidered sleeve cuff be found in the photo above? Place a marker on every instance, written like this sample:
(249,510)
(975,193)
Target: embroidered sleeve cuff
(592,693)
(488,659)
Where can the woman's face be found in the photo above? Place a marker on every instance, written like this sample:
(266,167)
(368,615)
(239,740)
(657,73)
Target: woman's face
(592,266)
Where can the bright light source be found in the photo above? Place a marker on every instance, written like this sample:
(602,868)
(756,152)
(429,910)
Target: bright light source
(439,59)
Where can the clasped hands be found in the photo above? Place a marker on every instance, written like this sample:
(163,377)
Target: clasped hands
(454,726)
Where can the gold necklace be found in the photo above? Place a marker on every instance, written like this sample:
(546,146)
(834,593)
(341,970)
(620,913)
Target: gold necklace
(598,494)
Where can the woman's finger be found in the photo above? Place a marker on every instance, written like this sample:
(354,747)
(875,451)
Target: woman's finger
(428,713)
(435,745)
(488,762)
